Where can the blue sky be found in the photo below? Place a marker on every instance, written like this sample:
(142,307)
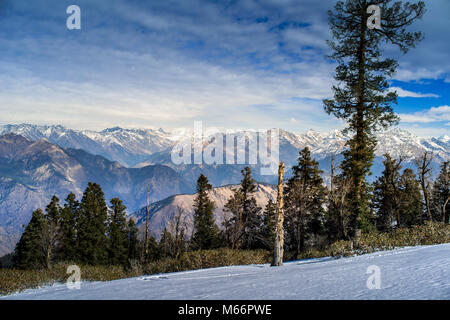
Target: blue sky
(232,64)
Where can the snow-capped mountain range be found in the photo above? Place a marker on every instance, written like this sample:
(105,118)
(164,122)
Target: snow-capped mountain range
(131,147)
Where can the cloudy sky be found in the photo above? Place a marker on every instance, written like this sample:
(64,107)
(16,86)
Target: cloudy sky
(165,63)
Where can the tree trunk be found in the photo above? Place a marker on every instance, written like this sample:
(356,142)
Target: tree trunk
(358,176)
(443,209)
(279,228)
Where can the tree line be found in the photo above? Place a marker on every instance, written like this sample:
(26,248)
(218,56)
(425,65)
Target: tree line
(315,215)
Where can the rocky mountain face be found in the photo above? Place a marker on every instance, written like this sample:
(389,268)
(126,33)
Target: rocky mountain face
(32,171)
(164,213)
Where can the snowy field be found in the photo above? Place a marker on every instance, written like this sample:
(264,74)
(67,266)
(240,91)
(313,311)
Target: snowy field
(407,273)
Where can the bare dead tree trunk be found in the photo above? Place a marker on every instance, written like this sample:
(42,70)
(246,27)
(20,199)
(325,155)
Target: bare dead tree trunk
(279,229)
(423,166)
(444,207)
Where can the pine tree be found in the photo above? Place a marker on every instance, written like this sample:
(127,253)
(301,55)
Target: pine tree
(153,250)
(269,225)
(133,241)
(28,253)
(51,235)
(91,237)
(246,224)
(386,198)
(304,202)
(118,233)
(410,207)
(69,229)
(362,97)
(206,232)
(441,194)
(166,245)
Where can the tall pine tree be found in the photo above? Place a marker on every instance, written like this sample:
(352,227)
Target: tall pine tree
(133,240)
(411,208)
(362,96)
(28,253)
(118,233)
(246,224)
(305,196)
(386,198)
(91,236)
(269,225)
(206,232)
(441,194)
(69,229)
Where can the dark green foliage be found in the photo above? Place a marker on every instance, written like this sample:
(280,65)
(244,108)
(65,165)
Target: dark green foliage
(117,233)
(68,227)
(28,253)
(440,206)
(304,199)
(92,241)
(133,241)
(6,262)
(245,227)
(269,225)
(386,198)
(206,232)
(166,247)
(411,207)
(362,96)
(153,251)
(51,232)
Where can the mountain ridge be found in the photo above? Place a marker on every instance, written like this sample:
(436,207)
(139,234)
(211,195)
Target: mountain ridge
(31,172)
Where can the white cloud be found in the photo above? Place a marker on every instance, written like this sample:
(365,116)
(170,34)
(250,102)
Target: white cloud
(434,114)
(409,94)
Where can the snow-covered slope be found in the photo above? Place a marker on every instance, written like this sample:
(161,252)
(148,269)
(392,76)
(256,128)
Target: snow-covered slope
(408,273)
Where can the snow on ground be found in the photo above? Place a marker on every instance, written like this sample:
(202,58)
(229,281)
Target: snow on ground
(408,273)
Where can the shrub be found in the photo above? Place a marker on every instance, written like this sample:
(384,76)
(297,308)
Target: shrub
(428,234)
(208,259)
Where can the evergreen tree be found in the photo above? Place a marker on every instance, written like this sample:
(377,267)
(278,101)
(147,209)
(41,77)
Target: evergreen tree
(206,232)
(441,194)
(69,229)
(410,207)
(28,253)
(269,225)
(232,225)
(133,241)
(305,196)
(118,233)
(386,198)
(51,235)
(362,97)
(246,223)
(166,245)
(91,236)
(153,250)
